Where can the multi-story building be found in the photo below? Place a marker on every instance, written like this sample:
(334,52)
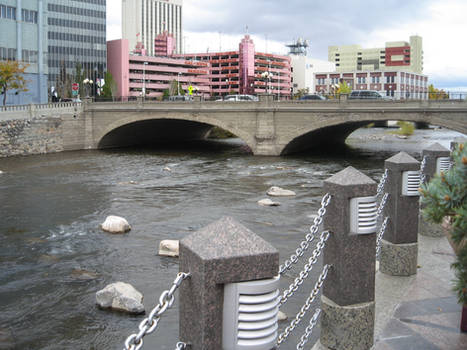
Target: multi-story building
(23,27)
(217,74)
(140,74)
(303,67)
(144,20)
(246,71)
(76,32)
(397,84)
(398,55)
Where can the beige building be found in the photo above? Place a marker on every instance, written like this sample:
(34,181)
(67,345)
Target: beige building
(396,55)
(144,20)
(304,69)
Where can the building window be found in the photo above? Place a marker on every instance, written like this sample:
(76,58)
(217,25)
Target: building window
(7,12)
(375,80)
(361,80)
(29,16)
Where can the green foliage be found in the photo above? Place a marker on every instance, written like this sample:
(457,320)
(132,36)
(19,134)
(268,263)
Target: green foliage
(405,128)
(11,77)
(344,88)
(446,196)
(436,94)
(110,86)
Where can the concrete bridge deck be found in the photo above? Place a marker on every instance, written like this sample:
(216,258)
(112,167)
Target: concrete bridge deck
(268,127)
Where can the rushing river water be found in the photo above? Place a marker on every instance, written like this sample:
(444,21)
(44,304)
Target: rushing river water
(53,257)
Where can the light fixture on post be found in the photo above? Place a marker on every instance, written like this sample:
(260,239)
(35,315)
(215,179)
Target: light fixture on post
(87,84)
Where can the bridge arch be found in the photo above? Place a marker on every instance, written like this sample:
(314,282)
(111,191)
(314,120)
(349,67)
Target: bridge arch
(328,130)
(148,127)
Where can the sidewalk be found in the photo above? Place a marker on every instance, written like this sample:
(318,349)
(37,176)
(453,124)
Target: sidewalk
(420,312)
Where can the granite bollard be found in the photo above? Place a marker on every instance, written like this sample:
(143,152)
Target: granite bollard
(222,253)
(399,247)
(435,157)
(348,306)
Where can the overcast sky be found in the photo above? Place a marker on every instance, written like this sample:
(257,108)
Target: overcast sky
(220,24)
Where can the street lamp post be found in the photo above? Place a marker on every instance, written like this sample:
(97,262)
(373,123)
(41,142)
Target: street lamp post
(144,79)
(87,84)
(178,83)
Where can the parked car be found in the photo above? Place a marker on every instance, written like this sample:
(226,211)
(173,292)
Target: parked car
(367,95)
(179,98)
(313,97)
(240,98)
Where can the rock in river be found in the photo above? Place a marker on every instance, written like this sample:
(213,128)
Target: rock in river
(276,191)
(268,203)
(168,247)
(120,296)
(6,340)
(115,224)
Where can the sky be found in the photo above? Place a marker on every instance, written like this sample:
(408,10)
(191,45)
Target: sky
(220,24)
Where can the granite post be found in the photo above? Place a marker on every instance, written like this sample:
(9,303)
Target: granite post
(222,252)
(431,154)
(348,306)
(399,247)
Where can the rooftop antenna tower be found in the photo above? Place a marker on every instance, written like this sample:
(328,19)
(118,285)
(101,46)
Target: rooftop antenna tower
(299,47)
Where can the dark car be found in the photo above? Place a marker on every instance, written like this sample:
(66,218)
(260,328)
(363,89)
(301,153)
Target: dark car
(313,97)
(366,95)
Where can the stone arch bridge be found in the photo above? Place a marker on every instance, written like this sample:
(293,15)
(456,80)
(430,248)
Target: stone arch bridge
(267,127)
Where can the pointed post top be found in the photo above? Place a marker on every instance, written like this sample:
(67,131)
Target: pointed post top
(403,162)
(231,252)
(350,183)
(436,150)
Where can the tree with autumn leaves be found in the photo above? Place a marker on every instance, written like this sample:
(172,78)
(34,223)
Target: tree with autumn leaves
(445,199)
(12,77)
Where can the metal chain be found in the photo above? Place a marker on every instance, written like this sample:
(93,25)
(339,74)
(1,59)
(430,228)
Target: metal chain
(306,269)
(382,204)
(309,330)
(283,336)
(382,182)
(304,245)
(380,236)
(422,170)
(149,324)
(180,346)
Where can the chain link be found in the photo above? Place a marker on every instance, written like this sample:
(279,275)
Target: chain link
(380,236)
(180,346)
(422,170)
(306,269)
(309,330)
(149,324)
(382,204)
(283,336)
(382,182)
(304,245)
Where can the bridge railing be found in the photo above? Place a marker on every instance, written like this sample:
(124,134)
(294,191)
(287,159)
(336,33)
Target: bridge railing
(16,108)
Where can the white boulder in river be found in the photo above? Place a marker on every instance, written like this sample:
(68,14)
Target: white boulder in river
(168,247)
(268,203)
(122,297)
(276,191)
(115,224)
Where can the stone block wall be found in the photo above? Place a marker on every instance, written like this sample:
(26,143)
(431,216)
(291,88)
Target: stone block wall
(30,136)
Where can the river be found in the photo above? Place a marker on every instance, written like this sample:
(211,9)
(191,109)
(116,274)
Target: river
(53,256)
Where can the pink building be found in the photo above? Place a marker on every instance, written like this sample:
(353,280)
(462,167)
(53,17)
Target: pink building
(137,74)
(217,74)
(246,71)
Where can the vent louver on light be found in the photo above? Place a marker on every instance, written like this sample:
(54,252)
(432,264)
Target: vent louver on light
(411,183)
(363,215)
(250,315)
(442,164)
